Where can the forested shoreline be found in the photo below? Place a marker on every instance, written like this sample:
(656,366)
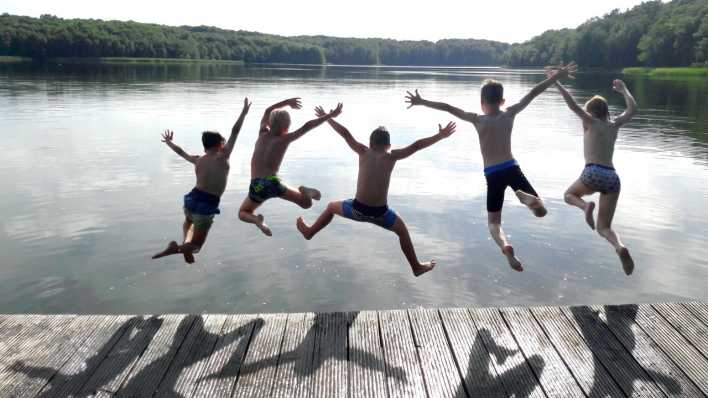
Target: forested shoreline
(650,34)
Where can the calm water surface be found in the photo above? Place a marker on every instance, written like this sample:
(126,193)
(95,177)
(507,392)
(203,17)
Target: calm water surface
(90,192)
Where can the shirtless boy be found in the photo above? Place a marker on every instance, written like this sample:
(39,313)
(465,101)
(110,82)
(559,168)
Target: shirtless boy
(599,175)
(273,141)
(370,203)
(202,203)
(500,168)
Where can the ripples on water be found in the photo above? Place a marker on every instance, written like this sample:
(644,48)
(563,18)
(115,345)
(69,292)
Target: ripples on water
(90,193)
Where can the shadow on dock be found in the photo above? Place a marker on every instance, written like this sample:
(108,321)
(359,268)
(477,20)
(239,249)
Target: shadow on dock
(619,321)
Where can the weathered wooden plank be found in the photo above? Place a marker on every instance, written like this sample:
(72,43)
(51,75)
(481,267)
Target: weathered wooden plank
(367,371)
(690,327)
(116,366)
(49,356)
(441,375)
(556,379)
(224,365)
(401,355)
(88,355)
(667,376)
(294,373)
(472,358)
(589,373)
(688,359)
(143,379)
(329,362)
(699,310)
(258,370)
(512,368)
(25,337)
(611,353)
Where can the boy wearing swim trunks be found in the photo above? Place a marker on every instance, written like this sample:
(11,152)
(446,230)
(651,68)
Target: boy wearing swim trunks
(370,203)
(599,175)
(273,141)
(500,168)
(202,203)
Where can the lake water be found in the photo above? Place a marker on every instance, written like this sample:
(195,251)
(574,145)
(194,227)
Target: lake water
(90,193)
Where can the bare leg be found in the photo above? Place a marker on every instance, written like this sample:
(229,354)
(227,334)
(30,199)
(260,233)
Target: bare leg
(494,222)
(573,196)
(303,197)
(245,214)
(605,214)
(399,227)
(188,231)
(534,203)
(192,246)
(172,248)
(322,221)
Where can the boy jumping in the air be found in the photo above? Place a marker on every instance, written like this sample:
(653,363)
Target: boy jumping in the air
(273,141)
(600,134)
(370,204)
(202,203)
(500,168)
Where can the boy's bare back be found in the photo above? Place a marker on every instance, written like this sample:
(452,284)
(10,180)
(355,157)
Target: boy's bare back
(494,133)
(268,155)
(599,138)
(212,172)
(375,168)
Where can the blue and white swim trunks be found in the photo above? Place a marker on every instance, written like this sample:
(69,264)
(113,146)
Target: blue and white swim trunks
(603,179)
(379,215)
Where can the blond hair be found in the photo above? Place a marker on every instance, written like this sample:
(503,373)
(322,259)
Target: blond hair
(597,106)
(279,121)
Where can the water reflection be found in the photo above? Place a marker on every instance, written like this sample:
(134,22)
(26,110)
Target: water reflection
(91,192)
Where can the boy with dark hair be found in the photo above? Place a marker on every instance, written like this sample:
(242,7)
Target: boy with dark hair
(273,141)
(370,204)
(500,168)
(599,175)
(202,203)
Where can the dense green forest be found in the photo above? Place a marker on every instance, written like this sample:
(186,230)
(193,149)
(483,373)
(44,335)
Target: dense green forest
(651,34)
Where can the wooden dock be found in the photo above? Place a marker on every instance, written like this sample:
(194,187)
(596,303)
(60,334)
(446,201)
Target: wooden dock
(599,351)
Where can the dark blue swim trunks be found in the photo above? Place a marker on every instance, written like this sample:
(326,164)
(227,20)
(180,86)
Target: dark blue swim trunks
(379,215)
(202,203)
(603,179)
(500,176)
(262,189)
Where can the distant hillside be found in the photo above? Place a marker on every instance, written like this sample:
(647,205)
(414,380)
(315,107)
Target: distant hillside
(651,34)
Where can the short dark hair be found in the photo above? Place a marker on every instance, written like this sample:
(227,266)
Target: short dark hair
(492,92)
(210,139)
(380,137)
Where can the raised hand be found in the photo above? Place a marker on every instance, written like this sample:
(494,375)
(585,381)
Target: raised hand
(319,111)
(413,99)
(619,86)
(447,130)
(246,105)
(294,103)
(336,111)
(167,136)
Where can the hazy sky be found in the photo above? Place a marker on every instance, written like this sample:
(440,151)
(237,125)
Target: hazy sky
(509,21)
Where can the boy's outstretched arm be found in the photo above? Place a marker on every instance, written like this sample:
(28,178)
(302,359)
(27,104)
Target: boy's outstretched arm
(563,71)
(229,147)
(313,123)
(628,114)
(291,102)
(416,99)
(167,139)
(355,145)
(443,132)
(572,104)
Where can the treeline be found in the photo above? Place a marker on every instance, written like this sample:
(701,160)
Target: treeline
(650,34)
(51,37)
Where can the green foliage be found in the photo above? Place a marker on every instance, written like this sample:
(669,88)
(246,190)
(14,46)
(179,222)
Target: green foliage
(52,37)
(651,34)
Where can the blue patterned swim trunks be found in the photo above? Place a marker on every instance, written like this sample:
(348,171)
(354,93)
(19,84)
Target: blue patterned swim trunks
(603,179)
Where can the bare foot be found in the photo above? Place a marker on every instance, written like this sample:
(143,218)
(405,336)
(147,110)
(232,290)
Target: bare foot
(303,228)
(589,217)
(172,248)
(312,193)
(188,257)
(424,267)
(626,259)
(514,262)
(532,202)
(262,225)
